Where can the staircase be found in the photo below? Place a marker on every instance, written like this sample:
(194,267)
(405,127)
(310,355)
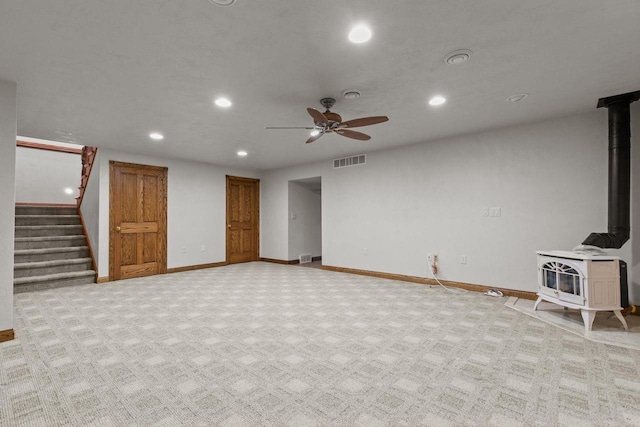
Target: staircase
(50,249)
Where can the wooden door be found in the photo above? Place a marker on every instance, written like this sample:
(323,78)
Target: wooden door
(138,220)
(243,195)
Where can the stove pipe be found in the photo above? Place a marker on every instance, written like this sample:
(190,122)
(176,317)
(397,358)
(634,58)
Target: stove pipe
(619,172)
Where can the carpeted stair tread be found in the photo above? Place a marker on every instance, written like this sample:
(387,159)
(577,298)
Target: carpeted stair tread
(41,242)
(53,263)
(54,277)
(49,238)
(48,216)
(46,210)
(24,255)
(38,220)
(50,226)
(50,250)
(47,230)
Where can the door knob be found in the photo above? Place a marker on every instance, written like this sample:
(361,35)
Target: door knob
(118,228)
(229,225)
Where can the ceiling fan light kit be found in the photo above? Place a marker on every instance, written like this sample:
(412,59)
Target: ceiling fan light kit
(329,122)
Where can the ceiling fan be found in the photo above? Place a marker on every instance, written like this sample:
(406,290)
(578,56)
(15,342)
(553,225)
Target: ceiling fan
(328,122)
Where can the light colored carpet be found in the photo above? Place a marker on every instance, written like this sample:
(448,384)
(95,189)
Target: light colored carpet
(264,344)
(607,329)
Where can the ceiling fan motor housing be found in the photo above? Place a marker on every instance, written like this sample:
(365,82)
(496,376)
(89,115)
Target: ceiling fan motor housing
(332,117)
(327,102)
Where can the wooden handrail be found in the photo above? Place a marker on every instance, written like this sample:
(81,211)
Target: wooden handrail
(88,155)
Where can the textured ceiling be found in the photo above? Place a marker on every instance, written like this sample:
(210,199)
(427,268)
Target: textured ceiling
(110,72)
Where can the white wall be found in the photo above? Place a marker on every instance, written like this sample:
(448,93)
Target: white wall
(7,199)
(42,176)
(90,207)
(305,227)
(549,179)
(196,209)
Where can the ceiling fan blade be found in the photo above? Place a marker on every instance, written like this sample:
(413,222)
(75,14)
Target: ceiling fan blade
(315,137)
(318,117)
(353,134)
(289,127)
(365,121)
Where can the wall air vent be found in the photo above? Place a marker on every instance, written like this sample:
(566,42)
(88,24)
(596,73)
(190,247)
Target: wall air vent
(350,161)
(305,258)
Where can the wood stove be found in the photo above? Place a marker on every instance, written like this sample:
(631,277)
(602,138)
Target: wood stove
(583,281)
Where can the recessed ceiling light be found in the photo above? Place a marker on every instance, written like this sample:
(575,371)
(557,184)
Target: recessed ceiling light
(437,100)
(68,190)
(222,2)
(360,34)
(157,136)
(223,102)
(457,57)
(242,153)
(518,97)
(315,132)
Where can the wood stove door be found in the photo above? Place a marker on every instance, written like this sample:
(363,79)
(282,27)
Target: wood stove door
(548,280)
(562,280)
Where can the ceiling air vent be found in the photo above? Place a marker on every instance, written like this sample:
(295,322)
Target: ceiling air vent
(350,161)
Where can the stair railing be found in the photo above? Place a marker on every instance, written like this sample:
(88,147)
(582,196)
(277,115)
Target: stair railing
(88,155)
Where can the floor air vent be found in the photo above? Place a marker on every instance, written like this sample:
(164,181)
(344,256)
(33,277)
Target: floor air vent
(350,161)
(304,258)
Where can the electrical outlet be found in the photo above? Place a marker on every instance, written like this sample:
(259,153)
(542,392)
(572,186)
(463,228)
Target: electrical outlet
(430,258)
(183,250)
(203,248)
(495,211)
(365,251)
(463,259)
(485,211)
(435,258)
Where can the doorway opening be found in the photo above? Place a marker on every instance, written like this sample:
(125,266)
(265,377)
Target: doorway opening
(305,221)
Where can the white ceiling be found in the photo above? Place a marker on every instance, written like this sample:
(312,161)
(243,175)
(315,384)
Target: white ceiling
(110,72)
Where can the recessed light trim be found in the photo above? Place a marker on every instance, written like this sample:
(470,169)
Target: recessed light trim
(437,100)
(68,190)
(517,97)
(222,2)
(457,57)
(156,136)
(223,102)
(360,33)
(242,153)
